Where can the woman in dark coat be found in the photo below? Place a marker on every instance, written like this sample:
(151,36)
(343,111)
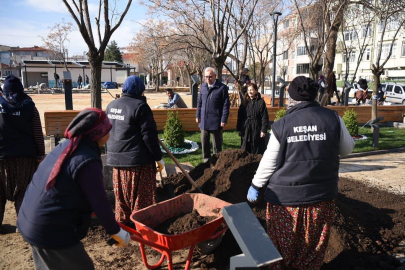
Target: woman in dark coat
(67,187)
(21,143)
(253,120)
(133,150)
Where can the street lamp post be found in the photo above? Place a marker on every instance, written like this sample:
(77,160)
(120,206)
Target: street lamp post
(275,15)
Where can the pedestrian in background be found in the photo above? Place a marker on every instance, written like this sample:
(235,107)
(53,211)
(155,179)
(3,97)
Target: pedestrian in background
(66,189)
(133,150)
(79,81)
(21,143)
(87,80)
(244,81)
(56,76)
(332,87)
(253,120)
(300,172)
(212,112)
(362,92)
(322,85)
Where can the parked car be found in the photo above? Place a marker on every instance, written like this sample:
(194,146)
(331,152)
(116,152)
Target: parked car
(110,85)
(394,92)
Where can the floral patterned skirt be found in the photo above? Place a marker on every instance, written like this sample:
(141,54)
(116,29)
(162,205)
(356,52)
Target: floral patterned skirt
(134,189)
(300,234)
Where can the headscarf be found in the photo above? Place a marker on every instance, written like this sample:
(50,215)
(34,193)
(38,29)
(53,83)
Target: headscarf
(13,98)
(92,124)
(303,89)
(133,85)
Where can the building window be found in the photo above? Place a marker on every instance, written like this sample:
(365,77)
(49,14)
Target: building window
(301,51)
(403,49)
(386,50)
(381,26)
(302,68)
(292,54)
(367,31)
(292,70)
(8,72)
(367,54)
(285,55)
(350,35)
(312,49)
(351,57)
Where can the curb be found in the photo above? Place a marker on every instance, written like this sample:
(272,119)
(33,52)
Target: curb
(377,152)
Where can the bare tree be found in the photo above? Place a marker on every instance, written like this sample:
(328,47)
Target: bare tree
(57,39)
(318,24)
(79,10)
(391,21)
(356,39)
(154,48)
(206,24)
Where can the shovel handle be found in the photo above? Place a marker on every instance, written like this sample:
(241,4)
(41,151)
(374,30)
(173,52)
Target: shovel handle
(181,167)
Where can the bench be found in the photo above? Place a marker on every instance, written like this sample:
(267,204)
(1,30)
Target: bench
(57,121)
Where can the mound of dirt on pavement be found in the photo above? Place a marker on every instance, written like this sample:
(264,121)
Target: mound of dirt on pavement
(369,222)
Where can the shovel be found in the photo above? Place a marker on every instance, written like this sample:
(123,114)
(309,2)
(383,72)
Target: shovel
(181,167)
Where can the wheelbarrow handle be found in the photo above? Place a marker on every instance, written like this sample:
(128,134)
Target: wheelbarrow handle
(136,236)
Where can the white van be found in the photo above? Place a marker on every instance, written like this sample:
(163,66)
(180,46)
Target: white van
(395,93)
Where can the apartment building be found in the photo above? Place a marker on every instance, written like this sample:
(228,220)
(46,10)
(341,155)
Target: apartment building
(292,58)
(360,37)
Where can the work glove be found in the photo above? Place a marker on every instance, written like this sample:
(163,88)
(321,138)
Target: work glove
(252,194)
(161,165)
(122,238)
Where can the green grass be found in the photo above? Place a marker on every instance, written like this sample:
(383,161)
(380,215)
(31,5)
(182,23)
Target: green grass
(389,138)
(231,140)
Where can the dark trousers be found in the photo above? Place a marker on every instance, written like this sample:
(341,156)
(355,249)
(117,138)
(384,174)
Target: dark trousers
(217,139)
(73,258)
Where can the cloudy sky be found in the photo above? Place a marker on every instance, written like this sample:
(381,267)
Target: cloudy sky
(23,22)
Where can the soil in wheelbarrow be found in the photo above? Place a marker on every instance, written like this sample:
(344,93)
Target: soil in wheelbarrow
(367,232)
(183,223)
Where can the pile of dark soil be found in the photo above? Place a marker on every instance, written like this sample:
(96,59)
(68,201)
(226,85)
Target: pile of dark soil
(368,230)
(369,225)
(183,223)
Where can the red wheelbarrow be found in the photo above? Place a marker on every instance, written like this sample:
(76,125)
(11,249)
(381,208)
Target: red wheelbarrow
(209,234)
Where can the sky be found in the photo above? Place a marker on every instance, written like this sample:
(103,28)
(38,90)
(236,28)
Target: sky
(23,22)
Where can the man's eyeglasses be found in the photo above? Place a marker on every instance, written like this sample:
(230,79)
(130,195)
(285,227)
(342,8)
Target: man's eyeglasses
(210,76)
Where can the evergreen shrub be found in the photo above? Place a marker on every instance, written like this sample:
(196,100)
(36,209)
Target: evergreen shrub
(173,134)
(350,119)
(279,114)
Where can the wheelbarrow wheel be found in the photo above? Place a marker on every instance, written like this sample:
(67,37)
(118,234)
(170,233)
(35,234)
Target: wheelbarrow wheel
(208,246)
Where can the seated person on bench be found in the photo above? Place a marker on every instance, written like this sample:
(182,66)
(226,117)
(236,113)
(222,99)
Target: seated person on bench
(174,100)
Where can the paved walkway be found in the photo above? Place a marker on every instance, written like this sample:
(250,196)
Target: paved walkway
(381,169)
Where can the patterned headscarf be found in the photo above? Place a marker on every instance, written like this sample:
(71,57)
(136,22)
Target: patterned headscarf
(91,123)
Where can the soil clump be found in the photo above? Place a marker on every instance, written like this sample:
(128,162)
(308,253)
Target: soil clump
(368,229)
(367,232)
(183,223)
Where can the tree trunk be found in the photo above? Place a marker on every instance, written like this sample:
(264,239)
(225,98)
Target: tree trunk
(95,86)
(377,75)
(219,64)
(262,77)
